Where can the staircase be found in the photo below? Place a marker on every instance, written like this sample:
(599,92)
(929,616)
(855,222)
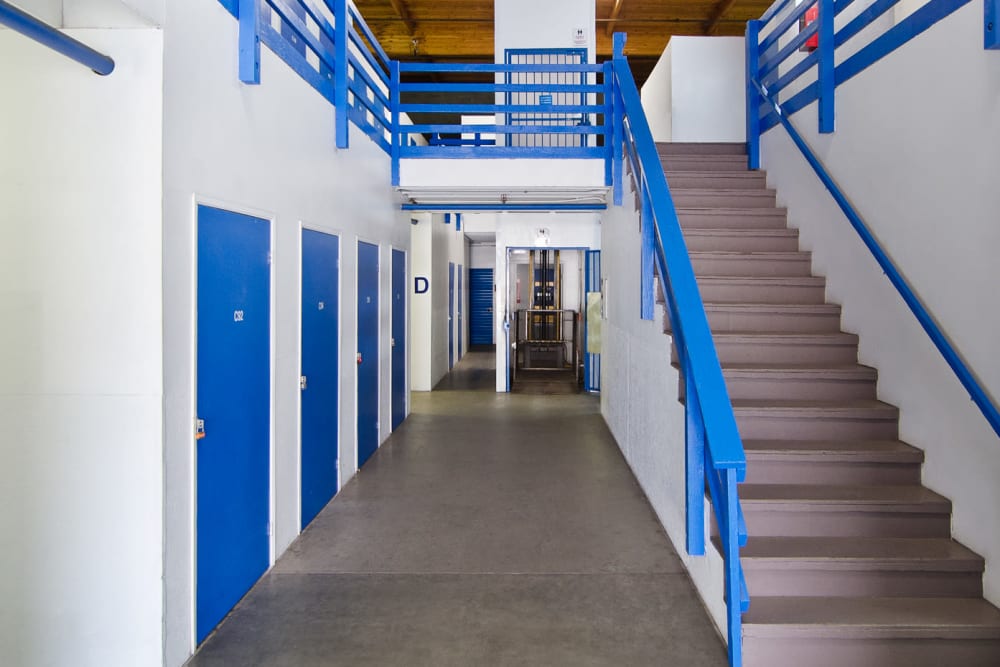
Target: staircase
(850,561)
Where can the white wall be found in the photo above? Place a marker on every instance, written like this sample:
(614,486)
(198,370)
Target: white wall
(639,400)
(525,24)
(657,96)
(238,147)
(435,245)
(421,247)
(520,230)
(696,91)
(915,151)
(80,350)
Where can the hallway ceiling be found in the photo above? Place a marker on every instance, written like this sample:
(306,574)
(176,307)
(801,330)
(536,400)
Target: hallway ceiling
(462,30)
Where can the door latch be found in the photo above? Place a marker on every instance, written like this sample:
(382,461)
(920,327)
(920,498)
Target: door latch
(359,358)
(199,429)
(392,342)
(302,382)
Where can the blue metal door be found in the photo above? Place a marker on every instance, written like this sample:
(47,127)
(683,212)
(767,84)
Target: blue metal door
(591,337)
(451,315)
(233,409)
(367,351)
(461,321)
(480,306)
(398,338)
(318,384)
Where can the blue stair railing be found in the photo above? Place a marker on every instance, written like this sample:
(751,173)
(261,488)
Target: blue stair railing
(766,109)
(20,21)
(714,451)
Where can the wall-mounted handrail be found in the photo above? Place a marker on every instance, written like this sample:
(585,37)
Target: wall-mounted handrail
(29,26)
(714,451)
(941,341)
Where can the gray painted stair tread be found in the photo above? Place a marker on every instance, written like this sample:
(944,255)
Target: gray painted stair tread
(776,232)
(797,255)
(701,148)
(832,451)
(896,498)
(873,408)
(884,553)
(946,618)
(761,338)
(802,308)
(760,192)
(804,281)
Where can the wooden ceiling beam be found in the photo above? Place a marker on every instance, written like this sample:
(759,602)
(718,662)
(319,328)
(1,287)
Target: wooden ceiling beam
(404,14)
(716,16)
(615,11)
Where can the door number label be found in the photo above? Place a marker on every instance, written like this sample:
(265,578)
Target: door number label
(237,316)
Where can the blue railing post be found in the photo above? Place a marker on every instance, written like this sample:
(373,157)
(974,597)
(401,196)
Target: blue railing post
(249,41)
(29,26)
(342,37)
(694,465)
(753,100)
(734,575)
(394,107)
(618,131)
(609,121)
(647,224)
(827,83)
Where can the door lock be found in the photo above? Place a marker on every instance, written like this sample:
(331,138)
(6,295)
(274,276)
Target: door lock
(302,382)
(359,358)
(199,429)
(392,342)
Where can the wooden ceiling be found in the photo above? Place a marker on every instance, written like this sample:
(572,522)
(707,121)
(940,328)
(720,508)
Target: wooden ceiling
(462,30)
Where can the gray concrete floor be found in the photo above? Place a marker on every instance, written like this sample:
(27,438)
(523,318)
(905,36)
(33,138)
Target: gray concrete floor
(489,529)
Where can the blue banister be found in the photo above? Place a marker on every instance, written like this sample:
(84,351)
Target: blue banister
(951,355)
(20,21)
(714,454)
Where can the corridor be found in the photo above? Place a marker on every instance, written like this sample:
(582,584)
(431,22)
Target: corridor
(490,529)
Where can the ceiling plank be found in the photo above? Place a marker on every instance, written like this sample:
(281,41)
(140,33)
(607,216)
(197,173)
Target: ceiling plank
(615,11)
(404,14)
(717,14)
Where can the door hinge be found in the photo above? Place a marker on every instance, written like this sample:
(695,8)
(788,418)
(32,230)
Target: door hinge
(269,530)
(269,259)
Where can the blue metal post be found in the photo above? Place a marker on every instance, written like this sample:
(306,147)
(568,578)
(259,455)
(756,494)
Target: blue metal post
(752,96)
(694,464)
(44,34)
(991,32)
(647,223)
(734,576)
(249,41)
(341,33)
(827,83)
(397,139)
(617,166)
(609,123)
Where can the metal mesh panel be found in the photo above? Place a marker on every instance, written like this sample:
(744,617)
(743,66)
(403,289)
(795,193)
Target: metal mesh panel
(546,57)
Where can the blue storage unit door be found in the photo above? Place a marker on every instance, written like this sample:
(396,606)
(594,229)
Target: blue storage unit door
(398,338)
(592,359)
(451,315)
(233,410)
(320,370)
(480,306)
(461,309)
(367,351)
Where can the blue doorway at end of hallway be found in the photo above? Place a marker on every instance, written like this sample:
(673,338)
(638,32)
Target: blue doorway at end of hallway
(233,411)
(480,306)
(461,310)
(368,357)
(320,377)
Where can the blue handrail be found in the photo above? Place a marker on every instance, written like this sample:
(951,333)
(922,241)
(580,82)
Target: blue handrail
(714,450)
(955,360)
(43,33)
